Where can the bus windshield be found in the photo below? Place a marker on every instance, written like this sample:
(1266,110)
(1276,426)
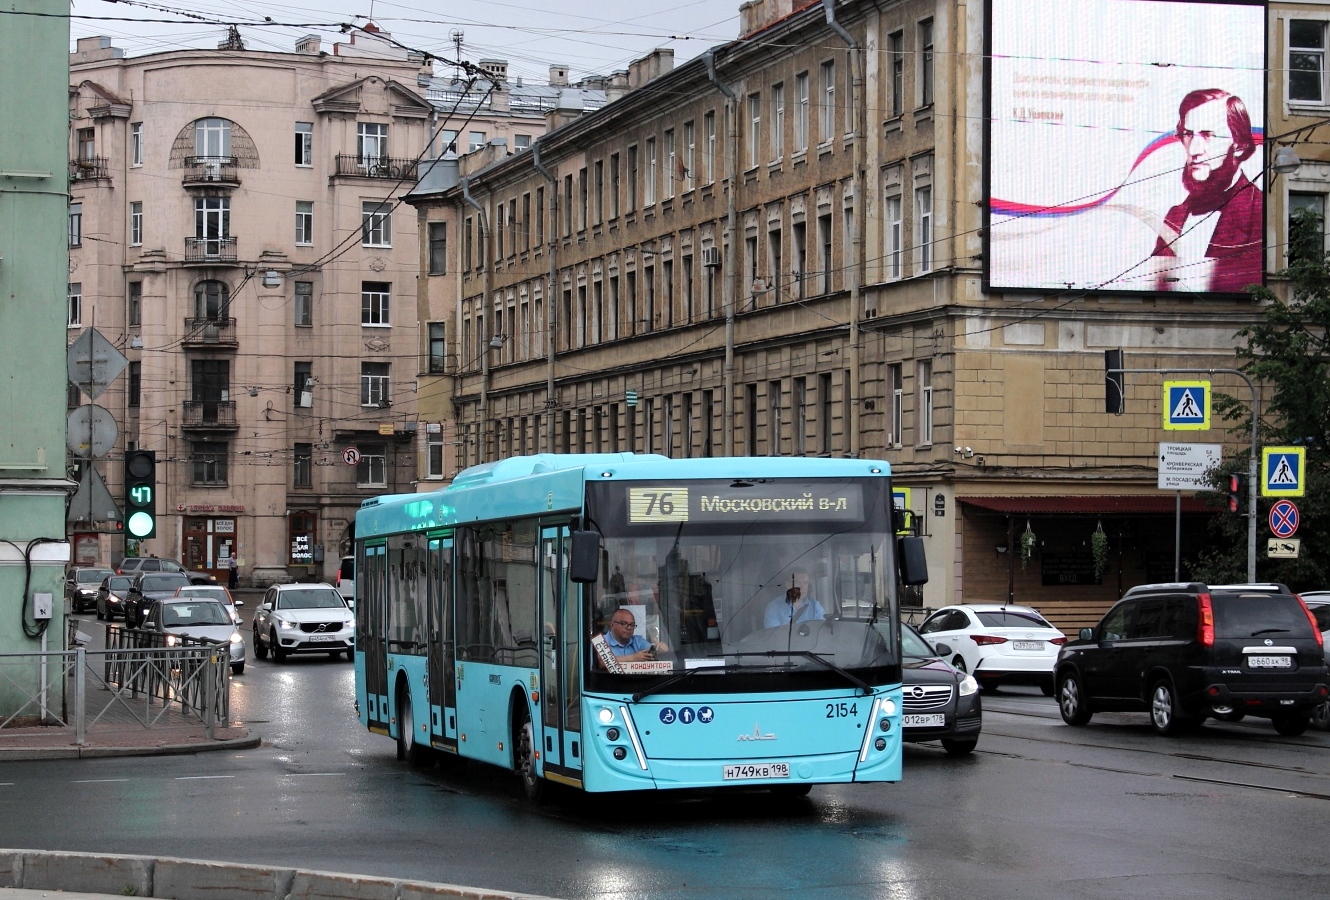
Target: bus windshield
(773,576)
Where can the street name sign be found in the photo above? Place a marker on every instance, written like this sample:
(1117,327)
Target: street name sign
(1187,467)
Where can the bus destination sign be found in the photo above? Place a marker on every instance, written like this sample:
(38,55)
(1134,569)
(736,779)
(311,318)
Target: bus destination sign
(797,501)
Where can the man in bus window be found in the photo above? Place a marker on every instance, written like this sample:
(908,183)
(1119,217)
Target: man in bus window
(623,640)
(797,605)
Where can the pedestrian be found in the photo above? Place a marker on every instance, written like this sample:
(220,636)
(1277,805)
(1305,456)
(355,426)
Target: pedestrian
(233,575)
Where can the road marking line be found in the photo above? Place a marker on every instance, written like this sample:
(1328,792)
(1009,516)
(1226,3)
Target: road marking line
(200,777)
(99,781)
(307,774)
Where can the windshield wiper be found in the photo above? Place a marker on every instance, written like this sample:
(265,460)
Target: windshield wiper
(852,678)
(674,679)
(1270,631)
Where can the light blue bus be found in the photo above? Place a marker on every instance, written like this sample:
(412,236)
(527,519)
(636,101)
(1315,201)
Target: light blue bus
(503,619)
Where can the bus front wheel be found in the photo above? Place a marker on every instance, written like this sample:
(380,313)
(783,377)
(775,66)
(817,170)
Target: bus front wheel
(408,748)
(524,749)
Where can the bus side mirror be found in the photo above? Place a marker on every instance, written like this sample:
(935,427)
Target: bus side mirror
(911,560)
(584,560)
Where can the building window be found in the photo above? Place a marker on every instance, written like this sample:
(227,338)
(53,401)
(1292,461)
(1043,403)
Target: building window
(371,143)
(827,120)
(824,253)
(599,207)
(87,143)
(671,164)
(1306,61)
(438,248)
(689,156)
(136,223)
(709,135)
(777,122)
(136,144)
(304,223)
(754,129)
(135,303)
(374,301)
(209,459)
(614,186)
(896,58)
(303,384)
(304,143)
(923,403)
(708,423)
(212,223)
(211,299)
(923,226)
(567,205)
(824,412)
(649,192)
(434,448)
(75,224)
(212,138)
(302,474)
(448,140)
(926,62)
(135,384)
(376,223)
(521,142)
(372,470)
(437,347)
(374,384)
(896,385)
(774,401)
(631,201)
(1307,202)
(750,418)
(304,303)
(801,112)
(892,234)
(74,305)
(475,140)
(799,420)
(776,264)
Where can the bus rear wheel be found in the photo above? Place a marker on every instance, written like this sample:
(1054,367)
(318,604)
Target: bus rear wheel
(524,751)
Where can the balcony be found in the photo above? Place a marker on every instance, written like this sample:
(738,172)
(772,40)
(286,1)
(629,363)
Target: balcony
(210,251)
(210,415)
(377,167)
(90,168)
(210,171)
(210,334)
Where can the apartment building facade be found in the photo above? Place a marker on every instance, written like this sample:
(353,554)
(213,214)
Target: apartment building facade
(234,230)
(779,249)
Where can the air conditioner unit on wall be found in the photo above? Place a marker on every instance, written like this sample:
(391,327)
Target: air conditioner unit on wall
(711,257)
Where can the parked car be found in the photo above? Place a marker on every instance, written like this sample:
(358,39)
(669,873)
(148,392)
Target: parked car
(81,583)
(303,618)
(147,587)
(997,643)
(346,580)
(1319,603)
(939,702)
(216,592)
(202,618)
(111,595)
(1185,652)
(135,565)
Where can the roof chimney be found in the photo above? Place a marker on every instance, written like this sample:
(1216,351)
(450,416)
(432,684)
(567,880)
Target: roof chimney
(558,76)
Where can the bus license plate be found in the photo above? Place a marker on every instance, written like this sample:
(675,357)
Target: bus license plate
(1270,662)
(756,770)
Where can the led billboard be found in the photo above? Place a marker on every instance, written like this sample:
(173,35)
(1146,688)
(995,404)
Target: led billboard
(1125,145)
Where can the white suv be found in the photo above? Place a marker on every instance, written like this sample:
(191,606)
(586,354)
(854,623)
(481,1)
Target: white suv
(303,618)
(346,580)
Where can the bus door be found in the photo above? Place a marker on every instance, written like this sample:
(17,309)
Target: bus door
(371,609)
(442,670)
(560,687)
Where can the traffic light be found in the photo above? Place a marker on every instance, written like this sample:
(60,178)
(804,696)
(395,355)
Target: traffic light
(141,493)
(1235,493)
(1115,393)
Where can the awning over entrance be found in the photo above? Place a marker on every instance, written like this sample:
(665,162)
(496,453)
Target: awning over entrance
(1144,504)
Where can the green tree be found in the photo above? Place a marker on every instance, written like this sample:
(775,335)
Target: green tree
(1287,355)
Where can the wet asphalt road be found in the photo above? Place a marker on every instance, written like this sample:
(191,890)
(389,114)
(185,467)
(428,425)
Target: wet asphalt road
(1041,810)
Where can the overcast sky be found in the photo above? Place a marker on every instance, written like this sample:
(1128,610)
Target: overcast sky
(590,38)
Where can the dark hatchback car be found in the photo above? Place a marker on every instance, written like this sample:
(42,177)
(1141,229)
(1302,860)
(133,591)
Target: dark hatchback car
(81,586)
(148,587)
(111,596)
(1186,652)
(938,703)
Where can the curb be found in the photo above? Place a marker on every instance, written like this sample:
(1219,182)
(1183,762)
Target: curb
(188,879)
(74,752)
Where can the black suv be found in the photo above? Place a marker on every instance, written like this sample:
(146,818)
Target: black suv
(1185,652)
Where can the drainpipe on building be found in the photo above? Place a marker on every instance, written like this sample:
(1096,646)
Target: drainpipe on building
(728,290)
(483,234)
(856,223)
(551,307)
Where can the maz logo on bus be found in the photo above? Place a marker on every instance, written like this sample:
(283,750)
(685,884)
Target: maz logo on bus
(757,735)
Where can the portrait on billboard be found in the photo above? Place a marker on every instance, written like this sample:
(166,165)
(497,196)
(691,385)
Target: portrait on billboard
(1125,145)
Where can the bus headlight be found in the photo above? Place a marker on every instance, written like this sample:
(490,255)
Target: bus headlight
(605,714)
(889,707)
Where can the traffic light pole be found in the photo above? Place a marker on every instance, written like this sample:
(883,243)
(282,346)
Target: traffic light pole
(1251,462)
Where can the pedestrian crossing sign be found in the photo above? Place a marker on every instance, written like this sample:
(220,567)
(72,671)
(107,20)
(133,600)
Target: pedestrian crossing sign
(900,499)
(1186,405)
(1282,471)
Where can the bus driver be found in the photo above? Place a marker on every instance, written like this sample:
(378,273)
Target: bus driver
(622,640)
(797,605)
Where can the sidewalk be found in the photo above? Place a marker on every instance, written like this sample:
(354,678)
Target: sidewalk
(121,739)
